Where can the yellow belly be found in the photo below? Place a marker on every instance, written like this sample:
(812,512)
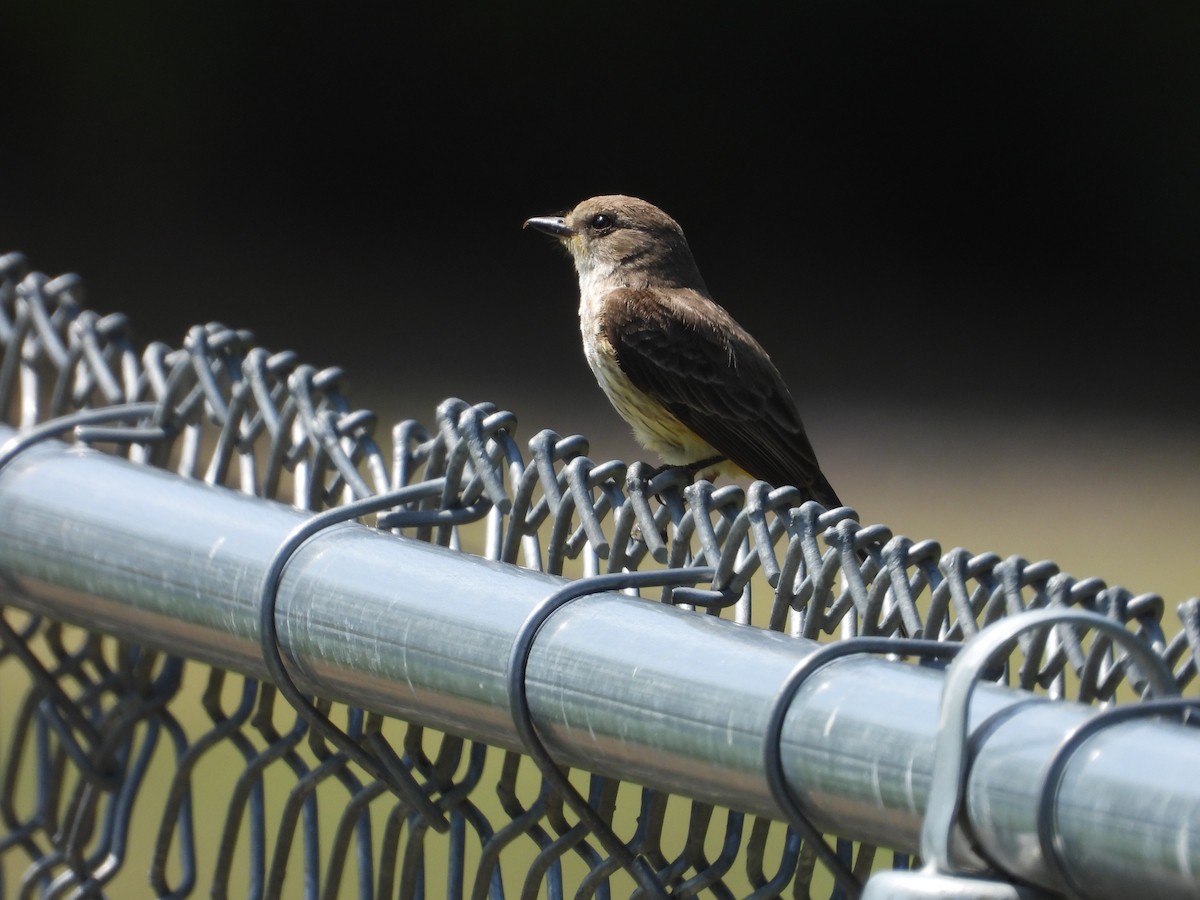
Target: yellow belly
(654,427)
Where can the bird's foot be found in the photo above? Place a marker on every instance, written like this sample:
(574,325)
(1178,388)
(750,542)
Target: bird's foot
(700,466)
(691,470)
(686,473)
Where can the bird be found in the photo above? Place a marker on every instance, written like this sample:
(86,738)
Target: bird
(696,388)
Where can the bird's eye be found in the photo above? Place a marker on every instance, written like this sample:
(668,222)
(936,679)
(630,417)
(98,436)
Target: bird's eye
(601,223)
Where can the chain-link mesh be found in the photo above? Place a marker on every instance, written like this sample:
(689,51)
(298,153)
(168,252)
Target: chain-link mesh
(118,759)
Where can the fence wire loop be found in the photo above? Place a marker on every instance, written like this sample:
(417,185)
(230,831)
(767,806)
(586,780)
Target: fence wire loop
(846,880)
(82,423)
(383,762)
(638,867)
(1185,710)
(90,748)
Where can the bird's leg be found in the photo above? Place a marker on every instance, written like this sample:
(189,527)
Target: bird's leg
(699,466)
(691,469)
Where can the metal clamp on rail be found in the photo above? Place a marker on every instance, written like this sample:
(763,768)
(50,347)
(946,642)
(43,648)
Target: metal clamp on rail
(773,739)
(941,875)
(518,697)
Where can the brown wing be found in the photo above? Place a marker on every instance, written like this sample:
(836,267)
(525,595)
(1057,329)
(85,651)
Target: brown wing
(693,358)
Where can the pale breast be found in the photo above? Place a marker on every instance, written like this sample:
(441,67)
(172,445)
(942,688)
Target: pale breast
(654,427)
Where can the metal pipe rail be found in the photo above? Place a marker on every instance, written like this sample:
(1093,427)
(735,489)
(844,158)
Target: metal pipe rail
(616,685)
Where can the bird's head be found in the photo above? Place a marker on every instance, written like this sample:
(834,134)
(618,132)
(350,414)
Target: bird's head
(624,240)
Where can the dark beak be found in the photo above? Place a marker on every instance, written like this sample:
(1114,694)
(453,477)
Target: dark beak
(555,225)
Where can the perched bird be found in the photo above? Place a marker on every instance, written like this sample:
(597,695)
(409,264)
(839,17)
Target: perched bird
(696,387)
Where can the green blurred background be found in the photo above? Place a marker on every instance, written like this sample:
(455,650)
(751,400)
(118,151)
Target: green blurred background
(966,233)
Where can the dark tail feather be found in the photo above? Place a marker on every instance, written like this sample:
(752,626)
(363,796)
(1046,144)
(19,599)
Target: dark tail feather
(821,490)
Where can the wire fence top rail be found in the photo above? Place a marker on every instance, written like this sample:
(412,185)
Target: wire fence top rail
(524,646)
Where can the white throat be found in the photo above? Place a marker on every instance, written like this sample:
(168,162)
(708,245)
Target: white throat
(594,283)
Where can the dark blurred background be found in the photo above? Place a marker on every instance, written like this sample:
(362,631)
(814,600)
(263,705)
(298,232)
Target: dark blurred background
(939,209)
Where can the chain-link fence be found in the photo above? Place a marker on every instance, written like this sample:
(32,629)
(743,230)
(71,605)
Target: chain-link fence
(150,753)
